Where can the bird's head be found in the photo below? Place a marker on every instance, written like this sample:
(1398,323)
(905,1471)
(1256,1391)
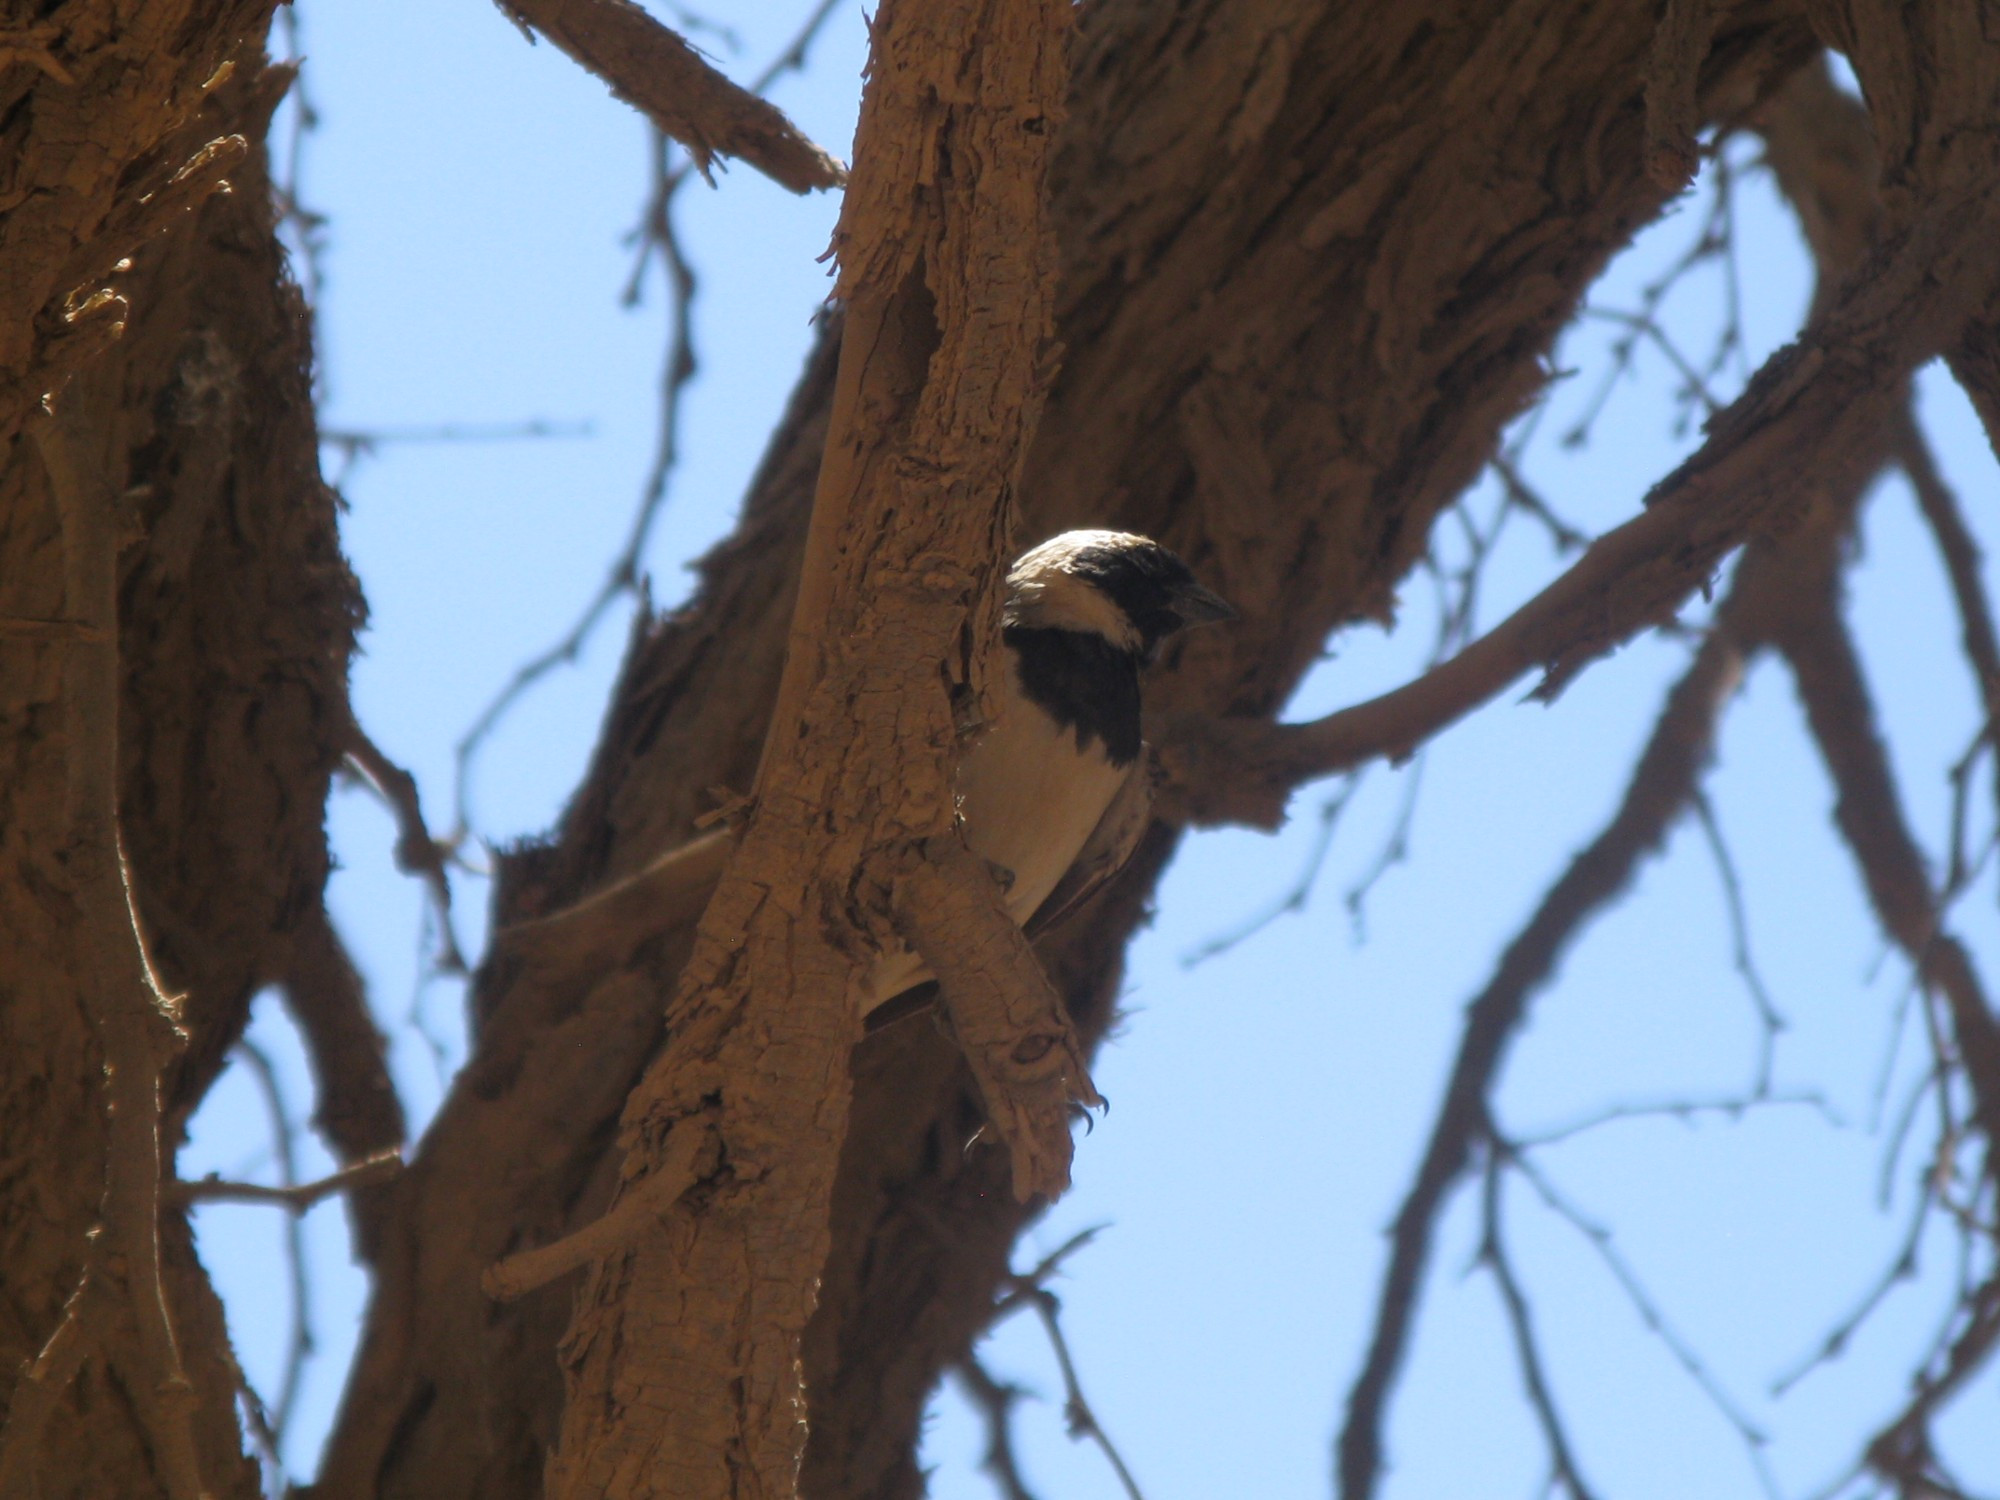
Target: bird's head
(1128,589)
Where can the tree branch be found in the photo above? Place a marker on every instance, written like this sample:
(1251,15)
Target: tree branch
(948,279)
(1006,1015)
(1868,809)
(1662,783)
(1825,395)
(298,1196)
(134,1022)
(357,1109)
(658,73)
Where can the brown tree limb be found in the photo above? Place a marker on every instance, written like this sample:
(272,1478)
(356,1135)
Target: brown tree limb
(296,1197)
(1975,363)
(610,922)
(135,1023)
(1673,72)
(658,73)
(947,277)
(357,1110)
(1824,394)
(1006,1016)
(680,1166)
(1662,783)
(1840,712)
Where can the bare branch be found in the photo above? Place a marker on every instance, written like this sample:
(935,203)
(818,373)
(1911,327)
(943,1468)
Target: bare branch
(1493,1255)
(1902,1267)
(1959,550)
(690,1152)
(1902,1452)
(1082,1420)
(1769,1021)
(1841,714)
(996,1401)
(1661,784)
(357,1108)
(1826,395)
(1686,1111)
(297,1197)
(417,853)
(653,69)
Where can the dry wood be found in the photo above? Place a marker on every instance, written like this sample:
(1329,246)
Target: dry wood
(135,1023)
(1017,1038)
(296,1197)
(683,1355)
(234,620)
(653,69)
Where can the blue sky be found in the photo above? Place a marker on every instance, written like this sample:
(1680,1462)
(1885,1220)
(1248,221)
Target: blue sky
(1270,1101)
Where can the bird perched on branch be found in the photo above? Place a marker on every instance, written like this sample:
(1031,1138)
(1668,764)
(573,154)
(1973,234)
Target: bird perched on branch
(1053,792)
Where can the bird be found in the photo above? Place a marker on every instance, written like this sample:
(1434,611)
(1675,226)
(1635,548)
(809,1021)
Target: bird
(1052,792)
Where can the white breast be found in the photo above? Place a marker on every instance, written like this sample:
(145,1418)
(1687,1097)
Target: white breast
(1029,799)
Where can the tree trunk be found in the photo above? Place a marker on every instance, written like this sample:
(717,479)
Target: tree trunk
(236,619)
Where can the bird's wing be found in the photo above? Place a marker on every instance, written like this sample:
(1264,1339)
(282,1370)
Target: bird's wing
(1105,852)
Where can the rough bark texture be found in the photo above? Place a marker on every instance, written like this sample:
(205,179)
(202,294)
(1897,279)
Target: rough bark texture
(1311,258)
(237,619)
(1304,286)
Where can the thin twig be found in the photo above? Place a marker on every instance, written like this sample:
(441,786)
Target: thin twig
(1493,1255)
(1770,1021)
(1902,1267)
(1599,1238)
(1295,899)
(417,853)
(1686,1111)
(1395,850)
(298,1197)
(1077,1413)
(995,1400)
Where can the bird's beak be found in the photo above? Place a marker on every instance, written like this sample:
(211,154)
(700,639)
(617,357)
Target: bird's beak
(1199,606)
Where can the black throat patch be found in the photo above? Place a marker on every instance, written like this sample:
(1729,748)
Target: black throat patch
(1084,683)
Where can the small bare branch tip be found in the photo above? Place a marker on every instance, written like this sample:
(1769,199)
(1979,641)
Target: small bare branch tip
(691,1151)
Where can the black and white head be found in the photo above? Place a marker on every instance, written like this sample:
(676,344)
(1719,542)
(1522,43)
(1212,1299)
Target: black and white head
(1127,589)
